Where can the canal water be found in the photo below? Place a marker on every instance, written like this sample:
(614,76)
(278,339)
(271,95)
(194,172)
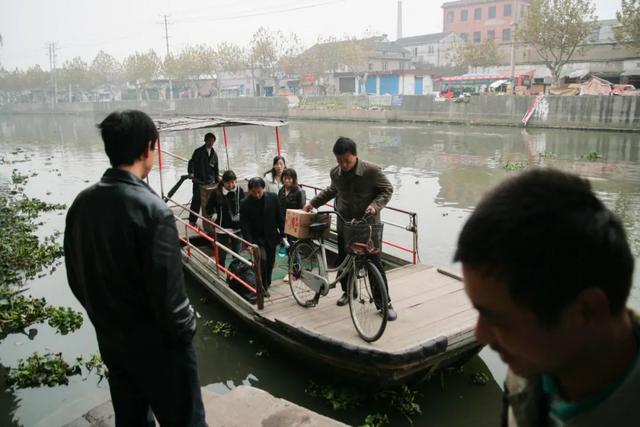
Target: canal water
(438,171)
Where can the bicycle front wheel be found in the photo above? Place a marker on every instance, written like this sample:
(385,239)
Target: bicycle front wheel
(303,257)
(368,302)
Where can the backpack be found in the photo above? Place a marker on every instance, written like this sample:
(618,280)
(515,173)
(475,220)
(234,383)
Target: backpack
(247,274)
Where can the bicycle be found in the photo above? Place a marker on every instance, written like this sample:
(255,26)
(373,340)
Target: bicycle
(309,274)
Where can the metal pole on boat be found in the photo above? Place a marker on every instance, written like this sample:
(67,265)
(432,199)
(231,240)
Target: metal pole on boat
(255,252)
(278,140)
(160,167)
(226,149)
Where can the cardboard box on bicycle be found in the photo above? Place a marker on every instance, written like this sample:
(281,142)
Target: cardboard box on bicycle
(297,222)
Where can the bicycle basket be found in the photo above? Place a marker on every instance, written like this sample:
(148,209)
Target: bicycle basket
(362,239)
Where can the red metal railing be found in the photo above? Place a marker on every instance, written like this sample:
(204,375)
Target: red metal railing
(216,246)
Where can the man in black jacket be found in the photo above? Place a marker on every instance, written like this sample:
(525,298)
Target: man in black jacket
(123,264)
(262,224)
(203,169)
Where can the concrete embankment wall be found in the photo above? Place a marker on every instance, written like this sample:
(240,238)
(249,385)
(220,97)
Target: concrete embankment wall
(575,112)
(274,107)
(579,112)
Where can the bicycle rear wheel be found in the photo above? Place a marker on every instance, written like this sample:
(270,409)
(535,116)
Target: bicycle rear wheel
(368,302)
(304,256)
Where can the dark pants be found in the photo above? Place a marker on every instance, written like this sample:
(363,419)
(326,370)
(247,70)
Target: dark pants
(231,243)
(375,259)
(162,382)
(195,203)
(267,261)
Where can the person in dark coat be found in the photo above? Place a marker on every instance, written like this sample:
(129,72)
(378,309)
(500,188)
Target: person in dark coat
(204,171)
(124,265)
(290,196)
(262,224)
(224,205)
(359,188)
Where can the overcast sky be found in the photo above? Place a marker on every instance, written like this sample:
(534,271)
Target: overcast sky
(120,27)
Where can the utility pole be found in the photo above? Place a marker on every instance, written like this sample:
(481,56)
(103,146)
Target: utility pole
(168,54)
(514,26)
(399,35)
(52,70)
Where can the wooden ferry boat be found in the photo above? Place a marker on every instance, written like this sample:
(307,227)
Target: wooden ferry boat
(435,326)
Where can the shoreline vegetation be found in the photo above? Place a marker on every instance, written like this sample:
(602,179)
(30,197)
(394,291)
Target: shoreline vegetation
(23,257)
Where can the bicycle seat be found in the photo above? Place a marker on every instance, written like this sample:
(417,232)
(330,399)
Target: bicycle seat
(318,227)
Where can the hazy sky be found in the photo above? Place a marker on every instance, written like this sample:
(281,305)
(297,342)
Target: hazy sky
(83,27)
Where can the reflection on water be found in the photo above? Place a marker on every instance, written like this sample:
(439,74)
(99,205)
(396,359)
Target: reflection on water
(438,171)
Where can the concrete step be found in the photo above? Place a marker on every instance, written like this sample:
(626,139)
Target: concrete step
(244,406)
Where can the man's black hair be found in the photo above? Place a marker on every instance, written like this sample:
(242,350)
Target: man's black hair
(256,182)
(344,145)
(546,235)
(209,135)
(126,135)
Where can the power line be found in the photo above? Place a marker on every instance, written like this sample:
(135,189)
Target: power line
(214,18)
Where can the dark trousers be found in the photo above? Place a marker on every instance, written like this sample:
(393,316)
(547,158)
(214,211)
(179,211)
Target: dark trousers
(375,259)
(195,203)
(163,382)
(267,261)
(231,243)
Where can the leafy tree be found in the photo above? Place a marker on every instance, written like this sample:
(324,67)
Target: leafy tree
(629,31)
(228,57)
(469,54)
(105,68)
(557,29)
(141,68)
(75,73)
(266,48)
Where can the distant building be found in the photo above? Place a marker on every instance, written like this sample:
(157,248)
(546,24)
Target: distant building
(430,49)
(602,56)
(482,20)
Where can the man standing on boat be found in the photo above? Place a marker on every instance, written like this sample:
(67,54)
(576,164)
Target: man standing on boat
(359,188)
(549,269)
(124,266)
(262,224)
(204,171)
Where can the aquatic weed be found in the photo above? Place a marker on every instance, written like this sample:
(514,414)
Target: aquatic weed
(220,328)
(64,319)
(42,370)
(592,156)
(403,400)
(376,420)
(339,397)
(515,166)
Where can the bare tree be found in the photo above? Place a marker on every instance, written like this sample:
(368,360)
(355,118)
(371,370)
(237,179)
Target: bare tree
(557,29)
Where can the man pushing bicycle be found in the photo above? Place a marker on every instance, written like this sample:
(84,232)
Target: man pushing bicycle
(359,188)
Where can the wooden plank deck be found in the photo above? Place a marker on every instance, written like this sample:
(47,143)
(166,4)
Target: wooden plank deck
(429,304)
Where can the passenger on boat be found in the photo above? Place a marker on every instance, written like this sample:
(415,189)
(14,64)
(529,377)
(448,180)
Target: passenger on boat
(549,269)
(124,266)
(290,196)
(262,224)
(203,170)
(359,187)
(274,175)
(223,207)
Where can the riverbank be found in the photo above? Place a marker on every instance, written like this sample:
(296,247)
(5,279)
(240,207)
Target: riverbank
(243,406)
(615,113)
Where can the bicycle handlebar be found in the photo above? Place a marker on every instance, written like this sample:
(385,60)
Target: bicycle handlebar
(352,221)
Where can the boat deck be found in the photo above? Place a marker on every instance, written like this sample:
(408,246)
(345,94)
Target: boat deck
(429,304)
(435,325)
